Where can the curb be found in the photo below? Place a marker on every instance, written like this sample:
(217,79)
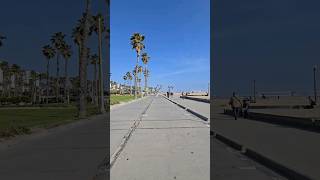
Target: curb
(301,123)
(187,109)
(277,167)
(196,99)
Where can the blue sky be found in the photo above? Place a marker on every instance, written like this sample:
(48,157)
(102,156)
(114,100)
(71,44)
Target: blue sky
(177,40)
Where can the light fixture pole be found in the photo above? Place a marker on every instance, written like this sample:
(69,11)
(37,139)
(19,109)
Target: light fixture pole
(315,83)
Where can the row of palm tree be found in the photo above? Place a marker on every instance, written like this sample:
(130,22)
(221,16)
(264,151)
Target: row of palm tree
(58,48)
(138,45)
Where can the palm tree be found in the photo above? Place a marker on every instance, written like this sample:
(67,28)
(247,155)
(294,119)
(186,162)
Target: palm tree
(15,70)
(94,60)
(137,44)
(58,43)
(108,49)
(98,27)
(34,77)
(66,54)
(145,59)
(140,70)
(129,76)
(83,65)
(2,38)
(125,78)
(4,66)
(49,53)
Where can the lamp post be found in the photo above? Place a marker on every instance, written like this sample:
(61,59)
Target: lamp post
(254,91)
(314,83)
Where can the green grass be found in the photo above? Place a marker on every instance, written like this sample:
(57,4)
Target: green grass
(14,121)
(116,99)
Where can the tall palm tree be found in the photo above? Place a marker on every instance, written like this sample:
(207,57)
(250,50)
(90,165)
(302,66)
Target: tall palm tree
(129,76)
(15,71)
(4,66)
(83,65)
(125,78)
(145,59)
(98,27)
(49,53)
(66,54)
(137,44)
(34,77)
(94,61)
(108,74)
(2,38)
(58,43)
(140,70)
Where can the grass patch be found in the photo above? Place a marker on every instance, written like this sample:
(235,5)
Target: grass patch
(16,121)
(116,99)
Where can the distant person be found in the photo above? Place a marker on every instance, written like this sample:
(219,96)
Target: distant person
(167,94)
(245,107)
(235,104)
(312,103)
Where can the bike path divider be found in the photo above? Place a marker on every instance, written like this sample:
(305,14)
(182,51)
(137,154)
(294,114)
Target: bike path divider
(187,109)
(289,173)
(196,99)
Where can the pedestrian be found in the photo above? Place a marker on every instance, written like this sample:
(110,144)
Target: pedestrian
(245,108)
(235,104)
(167,94)
(312,103)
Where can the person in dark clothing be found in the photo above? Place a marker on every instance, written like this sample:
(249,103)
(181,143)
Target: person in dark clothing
(167,94)
(235,104)
(245,107)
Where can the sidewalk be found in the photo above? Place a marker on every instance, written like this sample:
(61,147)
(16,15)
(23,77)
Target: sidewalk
(169,143)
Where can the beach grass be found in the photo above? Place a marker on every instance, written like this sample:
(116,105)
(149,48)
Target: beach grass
(116,99)
(16,120)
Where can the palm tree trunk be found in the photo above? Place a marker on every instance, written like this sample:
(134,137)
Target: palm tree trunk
(95,92)
(102,109)
(57,81)
(47,101)
(83,68)
(108,51)
(136,77)
(66,90)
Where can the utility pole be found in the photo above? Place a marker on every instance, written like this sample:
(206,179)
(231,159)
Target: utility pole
(314,83)
(254,91)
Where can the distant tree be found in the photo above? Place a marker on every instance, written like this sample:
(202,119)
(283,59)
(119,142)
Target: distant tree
(137,44)
(58,43)
(94,60)
(4,66)
(66,54)
(1,39)
(145,59)
(129,76)
(49,53)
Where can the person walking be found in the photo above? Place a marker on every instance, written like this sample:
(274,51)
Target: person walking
(245,108)
(235,104)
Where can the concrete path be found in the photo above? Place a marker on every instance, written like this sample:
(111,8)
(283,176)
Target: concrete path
(70,152)
(169,143)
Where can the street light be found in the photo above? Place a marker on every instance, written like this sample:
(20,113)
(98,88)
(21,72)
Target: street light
(314,83)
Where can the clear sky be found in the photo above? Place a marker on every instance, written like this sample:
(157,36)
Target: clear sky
(177,40)
(275,42)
